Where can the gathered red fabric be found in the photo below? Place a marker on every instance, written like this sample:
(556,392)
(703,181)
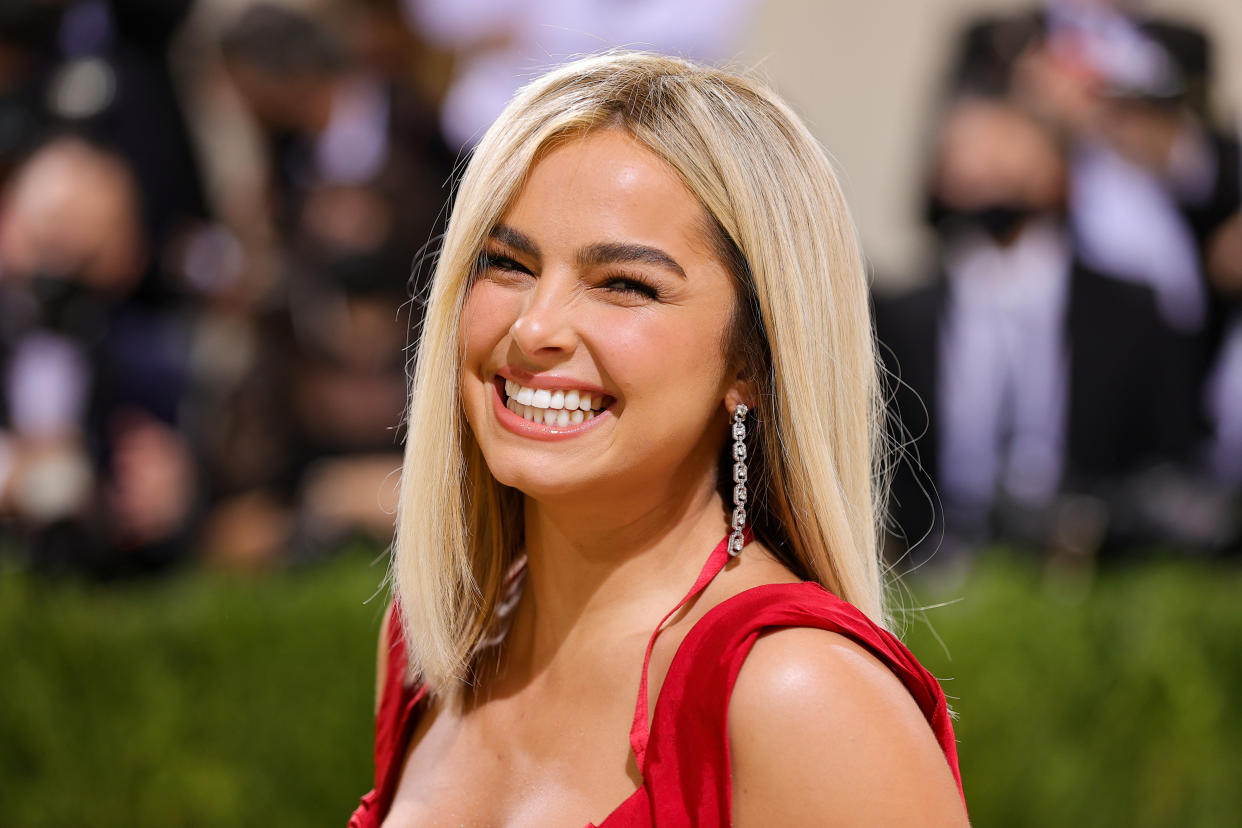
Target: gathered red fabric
(683,756)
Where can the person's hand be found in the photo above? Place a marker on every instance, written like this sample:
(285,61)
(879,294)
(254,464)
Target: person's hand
(353,492)
(1143,133)
(44,479)
(1059,90)
(152,484)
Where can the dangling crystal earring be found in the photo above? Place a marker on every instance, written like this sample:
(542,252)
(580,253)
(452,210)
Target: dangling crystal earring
(739,480)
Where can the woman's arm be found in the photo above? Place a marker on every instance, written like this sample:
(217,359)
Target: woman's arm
(822,733)
(381,658)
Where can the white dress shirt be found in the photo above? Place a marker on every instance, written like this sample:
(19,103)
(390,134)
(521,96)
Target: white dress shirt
(1002,385)
(1128,225)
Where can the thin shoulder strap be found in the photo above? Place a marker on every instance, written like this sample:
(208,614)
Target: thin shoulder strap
(639,733)
(689,732)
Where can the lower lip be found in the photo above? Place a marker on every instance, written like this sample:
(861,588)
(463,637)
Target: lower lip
(540,431)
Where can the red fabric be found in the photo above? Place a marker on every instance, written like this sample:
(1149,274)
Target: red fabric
(684,756)
(394,723)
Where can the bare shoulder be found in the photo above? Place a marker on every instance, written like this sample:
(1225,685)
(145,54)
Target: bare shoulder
(821,732)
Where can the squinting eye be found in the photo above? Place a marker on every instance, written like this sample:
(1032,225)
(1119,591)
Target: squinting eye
(632,287)
(495,261)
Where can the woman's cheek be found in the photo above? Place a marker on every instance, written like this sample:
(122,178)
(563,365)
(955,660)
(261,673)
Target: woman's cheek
(689,345)
(488,314)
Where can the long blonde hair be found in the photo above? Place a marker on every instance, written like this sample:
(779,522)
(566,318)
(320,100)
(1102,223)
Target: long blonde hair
(802,326)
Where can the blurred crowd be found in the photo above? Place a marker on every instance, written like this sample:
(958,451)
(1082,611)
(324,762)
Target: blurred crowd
(1070,368)
(216,227)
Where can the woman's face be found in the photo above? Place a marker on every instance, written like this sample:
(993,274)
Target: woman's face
(600,282)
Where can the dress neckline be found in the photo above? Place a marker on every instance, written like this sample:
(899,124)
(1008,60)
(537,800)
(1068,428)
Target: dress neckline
(640,730)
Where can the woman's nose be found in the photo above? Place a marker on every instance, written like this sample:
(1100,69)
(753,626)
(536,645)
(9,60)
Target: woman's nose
(546,322)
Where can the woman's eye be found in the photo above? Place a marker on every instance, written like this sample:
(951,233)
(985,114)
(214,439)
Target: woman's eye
(496,261)
(631,287)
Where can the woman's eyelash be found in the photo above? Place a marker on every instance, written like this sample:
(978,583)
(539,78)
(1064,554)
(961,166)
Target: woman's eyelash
(631,285)
(500,262)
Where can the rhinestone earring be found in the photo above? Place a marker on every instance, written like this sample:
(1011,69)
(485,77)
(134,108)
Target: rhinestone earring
(739,480)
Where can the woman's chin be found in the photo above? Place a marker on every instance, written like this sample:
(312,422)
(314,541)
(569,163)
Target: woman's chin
(548,488)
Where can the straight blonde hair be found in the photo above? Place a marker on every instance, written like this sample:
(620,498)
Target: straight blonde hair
(802,323)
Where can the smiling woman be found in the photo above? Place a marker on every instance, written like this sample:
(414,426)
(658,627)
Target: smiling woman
(649,312)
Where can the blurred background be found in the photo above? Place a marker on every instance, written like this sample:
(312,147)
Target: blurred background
(214,224)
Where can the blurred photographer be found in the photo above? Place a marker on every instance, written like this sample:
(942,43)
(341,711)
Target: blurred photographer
(93,472)
(357,178)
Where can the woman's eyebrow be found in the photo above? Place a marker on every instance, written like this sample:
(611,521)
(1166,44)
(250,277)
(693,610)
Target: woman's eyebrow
(509,237)
(614,252)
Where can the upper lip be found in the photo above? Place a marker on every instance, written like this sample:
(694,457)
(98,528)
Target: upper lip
(550,382)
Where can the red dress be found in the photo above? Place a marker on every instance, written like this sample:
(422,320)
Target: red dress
(684,756)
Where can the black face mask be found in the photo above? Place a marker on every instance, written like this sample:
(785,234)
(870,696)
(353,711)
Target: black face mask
(1001,221)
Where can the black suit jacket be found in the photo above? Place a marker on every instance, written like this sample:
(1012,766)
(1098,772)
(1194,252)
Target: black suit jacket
(1130,400)
(983,64)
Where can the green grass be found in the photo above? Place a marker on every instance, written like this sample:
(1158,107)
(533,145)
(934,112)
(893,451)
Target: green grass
(206,700)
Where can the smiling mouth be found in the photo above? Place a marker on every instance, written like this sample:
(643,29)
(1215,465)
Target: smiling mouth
(560,408)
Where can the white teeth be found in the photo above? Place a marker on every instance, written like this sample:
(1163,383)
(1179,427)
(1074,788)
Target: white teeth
(544,399)
(559,417)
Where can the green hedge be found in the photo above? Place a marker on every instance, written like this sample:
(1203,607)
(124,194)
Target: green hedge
(202,700)
(1109,701)
(210,700)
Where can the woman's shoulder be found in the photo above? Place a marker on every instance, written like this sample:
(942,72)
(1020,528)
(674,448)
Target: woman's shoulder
(831,715)
(820,677)
(795,700)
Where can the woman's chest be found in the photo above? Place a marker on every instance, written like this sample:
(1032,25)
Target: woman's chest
(555,755)
(515,763)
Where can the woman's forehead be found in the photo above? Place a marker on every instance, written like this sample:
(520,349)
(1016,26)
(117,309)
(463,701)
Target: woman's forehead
(607,187)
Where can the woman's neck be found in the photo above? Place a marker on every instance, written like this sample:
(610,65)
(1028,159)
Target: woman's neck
(598,577)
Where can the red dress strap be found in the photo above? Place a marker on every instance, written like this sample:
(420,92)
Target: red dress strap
(715,562)
(688,776)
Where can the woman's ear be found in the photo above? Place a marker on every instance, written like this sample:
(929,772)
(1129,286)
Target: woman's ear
(742,391)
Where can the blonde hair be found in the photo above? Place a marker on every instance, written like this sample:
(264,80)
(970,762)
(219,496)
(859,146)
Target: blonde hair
(802,325)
